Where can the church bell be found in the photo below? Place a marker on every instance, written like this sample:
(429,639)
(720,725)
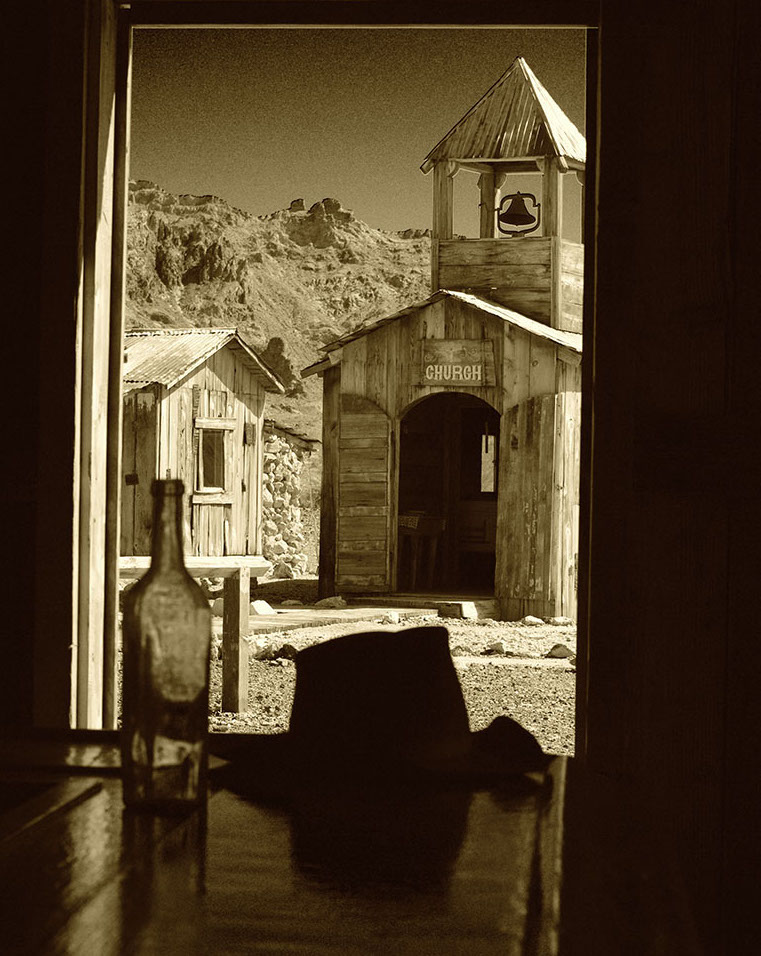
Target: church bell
(517,214)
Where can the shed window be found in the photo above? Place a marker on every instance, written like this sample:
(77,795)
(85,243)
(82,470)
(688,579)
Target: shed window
(211,460)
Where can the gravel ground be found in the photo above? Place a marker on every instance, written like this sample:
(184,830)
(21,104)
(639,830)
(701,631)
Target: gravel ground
(518,680)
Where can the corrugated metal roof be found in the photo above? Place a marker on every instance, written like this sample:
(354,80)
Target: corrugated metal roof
(164,356)
(515,118)
(571,340)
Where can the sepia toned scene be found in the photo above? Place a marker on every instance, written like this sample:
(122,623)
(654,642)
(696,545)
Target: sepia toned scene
(381,509)
(376,426)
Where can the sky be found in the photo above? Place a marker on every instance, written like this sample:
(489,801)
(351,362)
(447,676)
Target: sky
(259,117)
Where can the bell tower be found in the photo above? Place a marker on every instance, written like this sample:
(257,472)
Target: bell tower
(521,259)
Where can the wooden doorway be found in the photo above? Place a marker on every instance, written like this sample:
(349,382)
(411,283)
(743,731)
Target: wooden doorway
(448,454)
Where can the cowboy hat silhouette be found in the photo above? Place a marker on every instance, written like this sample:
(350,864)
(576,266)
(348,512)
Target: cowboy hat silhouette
(381,707)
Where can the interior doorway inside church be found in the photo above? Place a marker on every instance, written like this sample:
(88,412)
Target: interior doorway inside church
(448,454)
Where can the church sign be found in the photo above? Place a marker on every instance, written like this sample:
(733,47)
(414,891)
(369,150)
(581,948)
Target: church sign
(457,362)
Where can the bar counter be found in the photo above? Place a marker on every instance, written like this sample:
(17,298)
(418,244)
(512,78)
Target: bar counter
(559,864)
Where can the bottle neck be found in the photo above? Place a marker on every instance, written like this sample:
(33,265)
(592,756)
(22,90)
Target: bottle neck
(166,549)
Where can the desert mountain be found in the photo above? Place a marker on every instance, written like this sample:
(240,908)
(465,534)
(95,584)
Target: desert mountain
(290,281)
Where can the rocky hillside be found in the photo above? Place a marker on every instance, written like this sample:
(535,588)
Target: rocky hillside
(289,281)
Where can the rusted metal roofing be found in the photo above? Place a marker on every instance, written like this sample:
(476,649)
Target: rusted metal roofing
(516,118)
(570,340)
(164,356)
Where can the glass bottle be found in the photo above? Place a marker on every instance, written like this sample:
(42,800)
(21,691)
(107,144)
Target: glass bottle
(166,631)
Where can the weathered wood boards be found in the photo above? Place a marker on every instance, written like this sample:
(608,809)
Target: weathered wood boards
(237,595)
(363,496)
(223,399)
(511,272)
(135,566)
(541,277)
(331,411)
(456,362)
(380,377)
(525,581)
(570,265)
(139,450)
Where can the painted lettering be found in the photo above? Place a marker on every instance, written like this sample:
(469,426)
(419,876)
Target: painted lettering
(453,373)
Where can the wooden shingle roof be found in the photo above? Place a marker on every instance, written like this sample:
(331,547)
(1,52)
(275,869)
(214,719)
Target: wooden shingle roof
(515,118)
(164,356)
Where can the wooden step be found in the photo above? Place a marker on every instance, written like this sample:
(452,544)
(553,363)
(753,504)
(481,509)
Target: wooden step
(486,607)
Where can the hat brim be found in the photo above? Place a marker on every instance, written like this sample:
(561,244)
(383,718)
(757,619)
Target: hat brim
(380,709)
(274,766)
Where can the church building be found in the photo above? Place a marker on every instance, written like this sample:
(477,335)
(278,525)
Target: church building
(451,428)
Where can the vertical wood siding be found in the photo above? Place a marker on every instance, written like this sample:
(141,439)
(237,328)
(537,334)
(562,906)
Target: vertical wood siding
(226,388)
(538,496)
(363,496)
(571,264)
(139,449)
(331,415)
(524,576)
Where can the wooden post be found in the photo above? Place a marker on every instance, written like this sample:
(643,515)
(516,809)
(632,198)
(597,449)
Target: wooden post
(552,219)
(489,184)
(116,349)
(443,191)
(331,409)
(237,595)
(487,204)
(552,198)
(91,469)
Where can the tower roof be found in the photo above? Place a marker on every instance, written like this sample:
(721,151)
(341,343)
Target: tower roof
(515,118)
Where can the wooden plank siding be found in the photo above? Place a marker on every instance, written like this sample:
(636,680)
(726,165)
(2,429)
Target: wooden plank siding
(331,419)
(378,366)
(571,266)
(524,576)
(361,466)
(139,450)
(513,273)
(362,553)
(540,277)
(566,501)
(227,391)
(126,525)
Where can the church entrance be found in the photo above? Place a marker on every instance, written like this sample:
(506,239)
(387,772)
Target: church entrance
(448,458)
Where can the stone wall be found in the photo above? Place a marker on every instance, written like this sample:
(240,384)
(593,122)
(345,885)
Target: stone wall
(288,505)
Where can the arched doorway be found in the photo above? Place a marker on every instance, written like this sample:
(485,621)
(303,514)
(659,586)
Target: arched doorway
(448,458)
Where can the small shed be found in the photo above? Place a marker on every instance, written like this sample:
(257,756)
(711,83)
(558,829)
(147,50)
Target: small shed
(194,403)
(451,428)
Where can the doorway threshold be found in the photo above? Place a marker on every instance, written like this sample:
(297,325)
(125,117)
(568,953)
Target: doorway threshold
(486,606)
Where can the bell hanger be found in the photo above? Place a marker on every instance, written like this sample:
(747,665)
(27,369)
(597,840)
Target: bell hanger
(516,214)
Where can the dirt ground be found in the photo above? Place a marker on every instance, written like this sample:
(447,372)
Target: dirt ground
(514,678)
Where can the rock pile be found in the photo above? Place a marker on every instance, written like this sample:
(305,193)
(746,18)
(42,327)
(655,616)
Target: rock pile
(283,538)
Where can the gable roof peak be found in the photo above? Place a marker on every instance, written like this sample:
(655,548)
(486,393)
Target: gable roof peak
(165,356)
(514,119)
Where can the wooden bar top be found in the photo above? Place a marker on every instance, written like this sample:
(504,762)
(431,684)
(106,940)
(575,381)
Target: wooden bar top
(438,871)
